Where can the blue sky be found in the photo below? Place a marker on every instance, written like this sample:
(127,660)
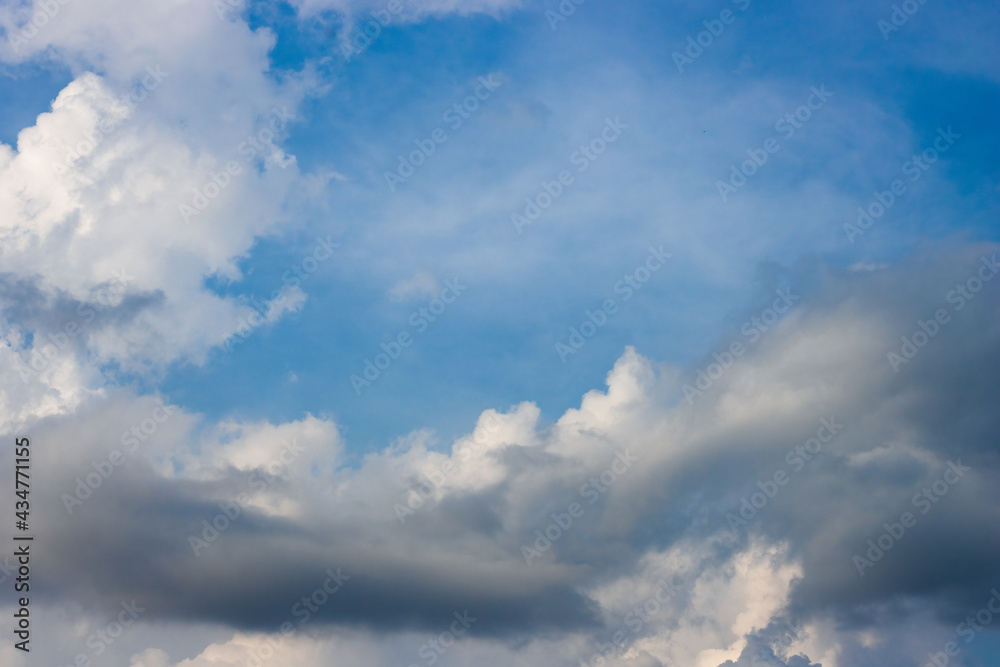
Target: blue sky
(606,174)
(496,347)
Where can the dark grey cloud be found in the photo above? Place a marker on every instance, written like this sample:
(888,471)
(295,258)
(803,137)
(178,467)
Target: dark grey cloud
(52,316)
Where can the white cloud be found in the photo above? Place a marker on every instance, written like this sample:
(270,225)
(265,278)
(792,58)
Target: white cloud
(96,188)
(421,283)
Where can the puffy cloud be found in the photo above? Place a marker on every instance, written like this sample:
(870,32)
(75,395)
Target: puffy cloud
(126,196)
(652,477)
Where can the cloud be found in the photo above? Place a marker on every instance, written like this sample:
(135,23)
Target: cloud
(649,517)
(150,658)
(421,283)
(461,546)
(126,197)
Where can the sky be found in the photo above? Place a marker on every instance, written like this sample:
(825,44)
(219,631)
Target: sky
(501,332)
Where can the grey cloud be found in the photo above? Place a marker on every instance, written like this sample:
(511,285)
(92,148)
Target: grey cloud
(826,360)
